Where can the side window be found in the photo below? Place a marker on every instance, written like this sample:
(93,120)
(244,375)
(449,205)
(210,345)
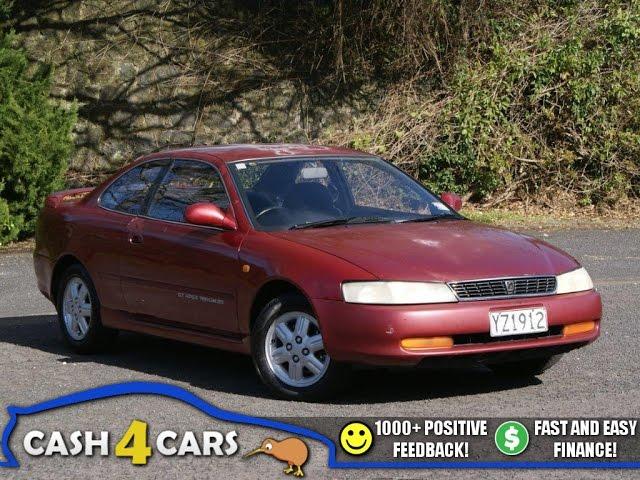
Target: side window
(186,183)
(128,193)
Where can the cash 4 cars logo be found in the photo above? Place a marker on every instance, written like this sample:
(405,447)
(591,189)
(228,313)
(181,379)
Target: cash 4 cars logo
(133,444)
(136,442)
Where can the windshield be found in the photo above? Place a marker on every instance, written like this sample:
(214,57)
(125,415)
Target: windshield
(318,192)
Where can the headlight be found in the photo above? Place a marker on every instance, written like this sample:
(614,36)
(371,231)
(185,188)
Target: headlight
(574,281)
(397,293)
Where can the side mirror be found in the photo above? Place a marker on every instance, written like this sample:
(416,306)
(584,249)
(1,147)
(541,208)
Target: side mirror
(209,215)
(452,199)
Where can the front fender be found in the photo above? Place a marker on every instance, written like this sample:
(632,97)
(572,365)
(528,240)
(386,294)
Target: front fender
(317,274)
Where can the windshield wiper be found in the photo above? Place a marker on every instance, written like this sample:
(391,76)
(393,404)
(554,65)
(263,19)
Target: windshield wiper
(340,221)
(429,218)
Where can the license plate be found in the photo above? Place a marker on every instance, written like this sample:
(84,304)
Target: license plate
(518,322)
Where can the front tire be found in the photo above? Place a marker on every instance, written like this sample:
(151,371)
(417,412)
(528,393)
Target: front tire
(79,312)
(288,351)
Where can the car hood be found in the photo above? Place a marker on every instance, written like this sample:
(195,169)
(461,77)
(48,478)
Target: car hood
(445,250)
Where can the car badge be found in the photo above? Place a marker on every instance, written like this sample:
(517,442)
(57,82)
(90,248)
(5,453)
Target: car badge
(510,285)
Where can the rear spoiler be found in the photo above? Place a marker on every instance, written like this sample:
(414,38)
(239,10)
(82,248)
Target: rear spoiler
(66,196)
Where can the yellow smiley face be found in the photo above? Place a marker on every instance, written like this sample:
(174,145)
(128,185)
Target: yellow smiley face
(356,438)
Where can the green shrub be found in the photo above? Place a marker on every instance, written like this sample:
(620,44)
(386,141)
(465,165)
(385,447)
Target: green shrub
(5,9)
(8,229)
(35,140)
(555,108)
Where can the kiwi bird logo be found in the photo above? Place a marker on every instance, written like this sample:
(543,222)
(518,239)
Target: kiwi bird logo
(291,450)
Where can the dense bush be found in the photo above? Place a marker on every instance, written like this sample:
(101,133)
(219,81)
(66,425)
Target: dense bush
(545,99)
(35,140)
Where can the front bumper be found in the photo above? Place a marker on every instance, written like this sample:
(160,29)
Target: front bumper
(371,334)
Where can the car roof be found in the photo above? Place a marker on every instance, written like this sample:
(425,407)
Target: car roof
(237,152)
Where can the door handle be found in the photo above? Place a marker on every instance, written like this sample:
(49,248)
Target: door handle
(135,238)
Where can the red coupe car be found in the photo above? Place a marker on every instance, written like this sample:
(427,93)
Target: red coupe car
(309,259)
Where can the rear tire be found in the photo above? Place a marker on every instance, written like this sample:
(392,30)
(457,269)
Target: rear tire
(288,352)
(78,308)
(527,368)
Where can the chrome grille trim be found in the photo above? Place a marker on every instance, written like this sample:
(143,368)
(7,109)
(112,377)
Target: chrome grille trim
(496,288)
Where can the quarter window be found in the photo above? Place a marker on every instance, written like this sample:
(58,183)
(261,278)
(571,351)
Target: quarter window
(129,192)
(187,182)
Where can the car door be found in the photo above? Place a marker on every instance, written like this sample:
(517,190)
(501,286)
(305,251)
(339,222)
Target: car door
(121,202)
(181,274)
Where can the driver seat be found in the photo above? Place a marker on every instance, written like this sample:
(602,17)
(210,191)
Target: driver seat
(310,196)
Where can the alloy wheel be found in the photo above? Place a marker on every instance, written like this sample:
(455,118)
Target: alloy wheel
(76,308)
(295,350)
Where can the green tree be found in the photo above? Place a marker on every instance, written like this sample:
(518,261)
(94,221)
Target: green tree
(35,138)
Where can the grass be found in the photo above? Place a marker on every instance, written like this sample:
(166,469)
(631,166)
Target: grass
(19,247)
(520,217)
(499,217)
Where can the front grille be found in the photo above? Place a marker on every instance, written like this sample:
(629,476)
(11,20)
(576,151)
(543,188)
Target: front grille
(504,287)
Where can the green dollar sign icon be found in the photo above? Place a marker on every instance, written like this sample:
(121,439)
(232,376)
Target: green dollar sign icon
(512,438)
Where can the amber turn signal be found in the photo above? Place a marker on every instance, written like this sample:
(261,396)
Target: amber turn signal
(575,328)
(425,343)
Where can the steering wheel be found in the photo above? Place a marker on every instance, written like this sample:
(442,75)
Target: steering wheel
(334,192)
(335,195)
(268,209)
